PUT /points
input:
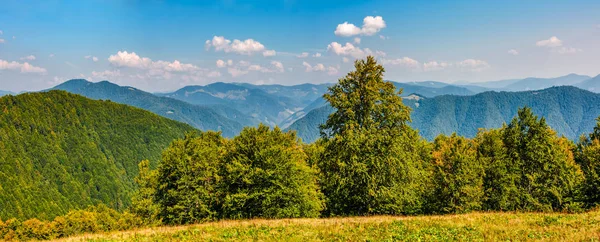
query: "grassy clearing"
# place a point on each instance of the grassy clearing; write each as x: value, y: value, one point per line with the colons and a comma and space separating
x: 467, y: 227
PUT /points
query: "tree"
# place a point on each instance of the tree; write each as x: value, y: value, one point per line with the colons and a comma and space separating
x: 187, y: 179
x: 588, y: 157
x: 549, y: 175
x: 457, y: 175
x: 142, y: 201
x: 372, y: 160
x: 265, y: 175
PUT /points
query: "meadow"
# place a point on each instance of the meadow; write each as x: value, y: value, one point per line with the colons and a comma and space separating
x: 494, y: 226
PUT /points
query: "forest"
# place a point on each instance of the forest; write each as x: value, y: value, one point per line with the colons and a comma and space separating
x: 367, y: 161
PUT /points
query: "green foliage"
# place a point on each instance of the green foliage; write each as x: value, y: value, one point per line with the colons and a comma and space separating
x: 142, y: 201
x: 588, y: 157
x: 457, y: 176
x: 187, y: 179
x: 265, y: 175
x: 371, y: 162
x: 94, y: 219
x: 61, y: 151
x: 542, y: 173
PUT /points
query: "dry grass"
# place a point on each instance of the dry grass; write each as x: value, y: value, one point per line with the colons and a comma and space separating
x: 467, y: 227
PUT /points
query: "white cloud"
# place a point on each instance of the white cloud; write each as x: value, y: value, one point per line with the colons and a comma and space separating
x: 243, y: 63
x: 29, y: 57
x: 345, y: 60
x: 303, y: 55
x: 568, y: 50
x: 23, y: 67
x: 213, y: 74
x: 405, y: 61
x: 269, y: 53
x: 346, y: 30
x: 513, y: 52
x: 552, y: 42
x: 317, y: 55
x: 319, y: 68
x: 371, y: 26
x: 229, y: 62
x: 93, y: 58
x: 383, y: 37
x: 357, y: 40
x: 473, y: 65
x: 435, y: 66
x: 2, y: 41
x: 221, y: 63
x: 380, y: 53
x: 125, y: 59
x: 348, y: 50
x: 278, y: 66
x: 246, y: 47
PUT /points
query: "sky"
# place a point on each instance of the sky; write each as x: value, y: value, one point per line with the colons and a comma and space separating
x: 162, y: 46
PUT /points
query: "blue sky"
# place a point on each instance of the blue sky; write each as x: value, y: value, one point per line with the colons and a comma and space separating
x: 162, y: 45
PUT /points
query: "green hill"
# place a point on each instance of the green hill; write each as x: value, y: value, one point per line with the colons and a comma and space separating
x: 62, y: 151
x: 201, y: 117
x: 568, y: 110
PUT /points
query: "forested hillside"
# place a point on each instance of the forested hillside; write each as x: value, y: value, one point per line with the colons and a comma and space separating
x: 201, y: 117
x: 568, y: 110
x: 62, y: 151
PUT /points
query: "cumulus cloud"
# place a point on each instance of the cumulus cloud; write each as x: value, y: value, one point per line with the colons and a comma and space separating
x: 29, y: 57
x: 319, y: 68
x: 551, y: 42
x: 371, y: 26
x: 269, y: 53
x: 22, y: 67
x: 405, y: 61
x: 473, y: 65
x: 317, y: 55
x: 125, y: 59
x: 235, y: 72
x: 278, y: 66
x: 245, y: 47
x: 435, y: 66
x: 221, y: 63
x: 513, y: 52
x: 303, y: 55
x: 357, y: 40
x: 348, y: 50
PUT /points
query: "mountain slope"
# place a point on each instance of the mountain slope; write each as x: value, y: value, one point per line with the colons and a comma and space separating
x: 592, y: 84
x: 432, y: 91
x: 62, y: 151
x: 254, y: 102
x: 201, y: 117
x: 533, y: 83
x: 568, y: 110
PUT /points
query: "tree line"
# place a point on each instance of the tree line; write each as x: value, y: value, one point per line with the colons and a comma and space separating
x: 368, y: 161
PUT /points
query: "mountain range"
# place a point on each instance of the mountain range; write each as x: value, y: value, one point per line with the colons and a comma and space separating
x: 3, y: 93
x: 230, y: 106
x: 568, y: 110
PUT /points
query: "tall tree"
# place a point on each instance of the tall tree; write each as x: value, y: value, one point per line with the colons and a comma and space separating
x: 549, y: 175
x: 457, y: 176
x: 372, y: 160
x: 588, y: 157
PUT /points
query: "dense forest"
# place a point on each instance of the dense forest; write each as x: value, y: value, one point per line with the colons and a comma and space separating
x: 368, y: 160
x: 62, y: 151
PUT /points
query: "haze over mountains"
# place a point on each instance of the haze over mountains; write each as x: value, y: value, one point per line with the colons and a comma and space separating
x: 229, y: 107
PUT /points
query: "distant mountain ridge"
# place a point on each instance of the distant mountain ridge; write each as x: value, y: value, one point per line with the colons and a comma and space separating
x: 201, y: 117
x: 569, y: 110
x: 3, y: 93
x: 592, y: 84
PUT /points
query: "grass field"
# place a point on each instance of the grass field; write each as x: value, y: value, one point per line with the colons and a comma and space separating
x: 467, y: 227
